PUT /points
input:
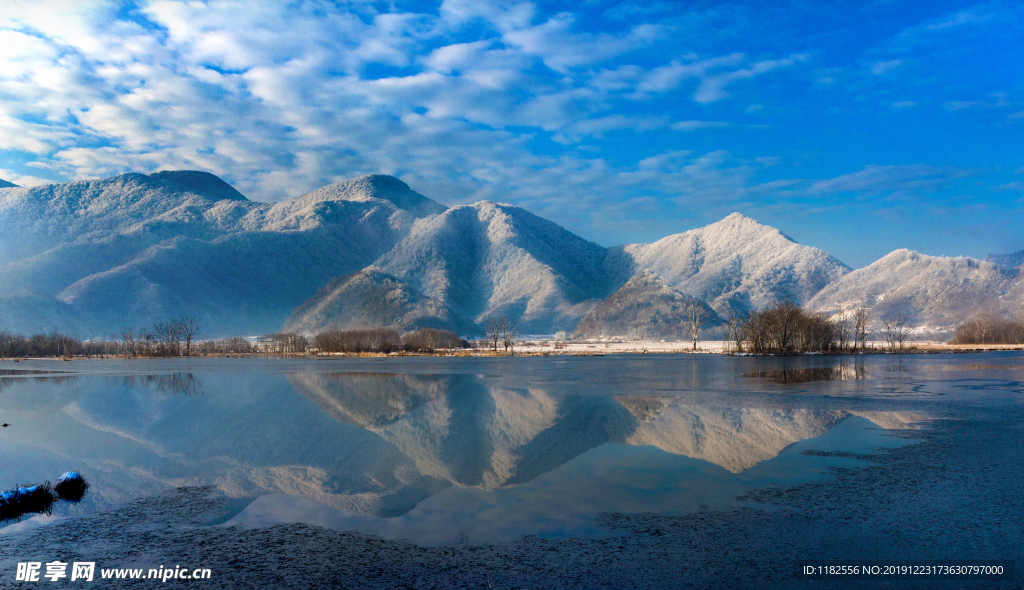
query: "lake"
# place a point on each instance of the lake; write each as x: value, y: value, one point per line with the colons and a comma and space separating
x: 466, y: 452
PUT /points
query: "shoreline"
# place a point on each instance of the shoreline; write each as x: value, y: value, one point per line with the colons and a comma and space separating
x: 576, y: 349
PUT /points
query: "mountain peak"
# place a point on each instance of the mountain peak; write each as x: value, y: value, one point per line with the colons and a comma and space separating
x: 736, y: 263
x: 5, y: 184
x: 201, y: 183
x: 377, y: 186
x: 900, y: 255
x: 736, y: 216
x: 379, y: 180
x: 743, y: 223
x: 940, y: 291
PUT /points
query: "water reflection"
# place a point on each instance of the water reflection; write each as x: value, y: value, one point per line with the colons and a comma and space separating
x: 460, y: 430
x: 187, y: 384
x: 807, y: 375
x: 863, y: 372
x: 378, y: 446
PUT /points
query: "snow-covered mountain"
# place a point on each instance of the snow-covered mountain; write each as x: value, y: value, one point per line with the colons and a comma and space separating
x: 5, y: 184
x: 137, y: 249
x: 491, y: 258
x: 372, y: 299
x: 939, y: 292
x: 457, y: 268
x: 645, y: 307
x: 91, y: 257
x: 736, y: 263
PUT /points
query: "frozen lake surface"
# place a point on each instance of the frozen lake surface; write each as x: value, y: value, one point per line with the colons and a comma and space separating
x: 483, y: 457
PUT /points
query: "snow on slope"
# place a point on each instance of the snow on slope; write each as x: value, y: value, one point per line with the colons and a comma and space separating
x: 33, y: 220
x: 245, y: 282
x: 645, y: 307
x: 492, y: 258
x: 940, y: 292
x: 137, y: 249
x: 736, y: 263
x: 201, y: 183
x: 365, y: 188
x: 370, y: 299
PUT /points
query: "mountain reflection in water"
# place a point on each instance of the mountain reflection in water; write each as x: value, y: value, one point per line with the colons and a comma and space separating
x: 458, y: 430
x: 385, y: 445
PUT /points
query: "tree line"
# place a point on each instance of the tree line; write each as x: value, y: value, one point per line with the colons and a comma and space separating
x: 987, y: 328
x: 386, y: 340
x: 54, y: 344
x: 180, y: 338
x: 170, y: 338
x: 784, y: 327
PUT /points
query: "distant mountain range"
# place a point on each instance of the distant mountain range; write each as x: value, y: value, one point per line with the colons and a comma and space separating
x: 1008, y: 260
x: 91, y: 257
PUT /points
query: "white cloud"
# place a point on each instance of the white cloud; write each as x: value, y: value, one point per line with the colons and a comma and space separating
x: 882, y: 67
x: 959, y: 105
x: 668, y: 77
x: 889, y: 179
x: 694, y: 125
x: 281, y: 98
x: 712, y: 88
x: 22, y: 179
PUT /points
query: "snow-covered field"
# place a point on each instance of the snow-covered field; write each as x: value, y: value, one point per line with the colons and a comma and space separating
x: 620, y: 346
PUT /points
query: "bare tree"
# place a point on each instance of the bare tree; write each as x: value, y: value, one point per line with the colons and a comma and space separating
x: 861, y: 317
x: 146, y: 342
x: 898, y: 327
x: 6, y: 343
x: 162, y: 338
x: 843, y: 327
x: 735, y: 329
x: 168, y: 335
x: 176, y: 330
x: 128, y: 341
x: 191, y: 327
x: 696, y: 313
x: 510, y: 334
x: 1020, y: 322
x: 906, y: 328
x: 755, y: 329
x: 984, y: 323
x: 494, y: 331
x: 783, y: 320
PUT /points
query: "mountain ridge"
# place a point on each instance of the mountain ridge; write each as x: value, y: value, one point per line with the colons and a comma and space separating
x: 136, y: 249
x: 939, y: 292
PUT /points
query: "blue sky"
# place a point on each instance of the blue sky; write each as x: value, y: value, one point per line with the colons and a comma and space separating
x: 857, y: 127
